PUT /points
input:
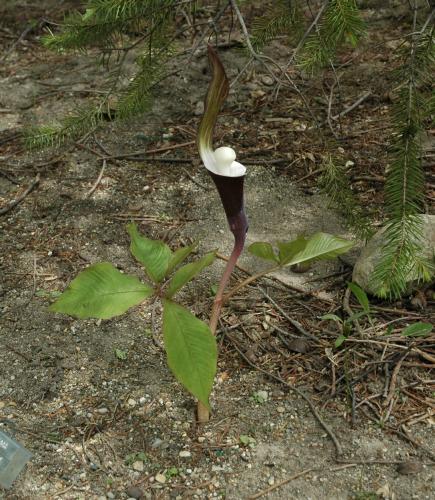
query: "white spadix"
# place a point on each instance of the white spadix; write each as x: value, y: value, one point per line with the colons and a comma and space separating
x: 224, y: 163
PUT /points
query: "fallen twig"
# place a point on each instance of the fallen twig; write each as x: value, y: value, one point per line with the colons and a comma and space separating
x: 281, y: 483
x: 97, y: 182
x: 393, y: 380
x: 203, y: 186
x: 299, y: 392
x: 349, y: 311
x: 20, y: 198
x: 346, y: 465
x: 352, y: 106
x: 292, y: 321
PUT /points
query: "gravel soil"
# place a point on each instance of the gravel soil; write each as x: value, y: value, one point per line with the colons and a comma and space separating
x: 93, y: 400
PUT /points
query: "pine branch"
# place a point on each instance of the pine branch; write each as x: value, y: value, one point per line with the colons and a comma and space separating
x: 334, y: 182
x: 340, y: 23
x: 105, y: 21
x: 69, y: 129
x: 404, y: 188
x: 136, y: 98
x: 283, y: 17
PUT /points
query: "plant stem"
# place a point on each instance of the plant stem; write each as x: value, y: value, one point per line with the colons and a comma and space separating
x: 248, y: 280
x: 203, y: 413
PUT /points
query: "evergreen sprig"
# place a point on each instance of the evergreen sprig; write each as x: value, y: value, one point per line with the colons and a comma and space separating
x: 284, y: 17
x: 340, y: 23
x: 136, y: 98
x: 334, y: 182
x: 69, y: 128
x: 404, y: 188
x: 104, y: 21
x: 104, y: 24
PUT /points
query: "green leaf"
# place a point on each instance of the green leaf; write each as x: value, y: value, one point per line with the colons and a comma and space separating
x: 288, y: 249
x: 101, y: 291
x: 178, y: 257
x: 417, y: 330
x: 361, y: 296
x: 120, y: 354
x: 263, y: 251
x: 188, y: 272
x: 357, y: 315
x: 247, y: 440
x: 191, y: 350
x: 332, y: 317
x: 154, y: 255
x: 319, y: 246
x: 89, y: 13
x: 339, y: 340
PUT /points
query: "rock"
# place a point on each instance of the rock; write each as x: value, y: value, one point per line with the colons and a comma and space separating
x: 134, y: 492
x: 267, y: 80
x: 199, y: 108
x: 371, y: 255
x: 138, y: 466
x: 298, y: 345
x: 160, y: 478
x: 185, y: 454
x: 262, y: 395
x: 157, y: 443
x: 409, y: 467
x: 8, y: 121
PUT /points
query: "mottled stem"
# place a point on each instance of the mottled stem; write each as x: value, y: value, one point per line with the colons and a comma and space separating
x: 203, y: 413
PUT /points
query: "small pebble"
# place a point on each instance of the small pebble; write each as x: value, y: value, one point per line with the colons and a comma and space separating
x: 134, y: 492
x: 298, y: 345
x: 160, y: 478
x: 157, y: 443
x: 138, y: 465
x: 271, y: 481
x: 409, y: 467
x: 262, y: 395
x: 280, y: 409
x: 185, y: 454
x: 131, y: 402
x: 199, y: 108
x: 267, y: 80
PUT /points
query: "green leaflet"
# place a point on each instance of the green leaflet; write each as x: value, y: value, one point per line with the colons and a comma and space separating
x: 361, y: 296
x: 101, y: 291
x: 179, y: 256
x: 319, y: 246
x: 288, y: 249
x: 417, y: 330
x: 263, y: 250
x: 191, y: 350
x: 154, y: 255
x: 187, y: 272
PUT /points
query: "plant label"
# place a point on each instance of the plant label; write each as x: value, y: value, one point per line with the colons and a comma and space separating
x: 13, y: 458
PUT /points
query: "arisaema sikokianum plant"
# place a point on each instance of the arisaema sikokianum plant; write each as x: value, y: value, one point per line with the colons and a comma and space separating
x: 102, y: 291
